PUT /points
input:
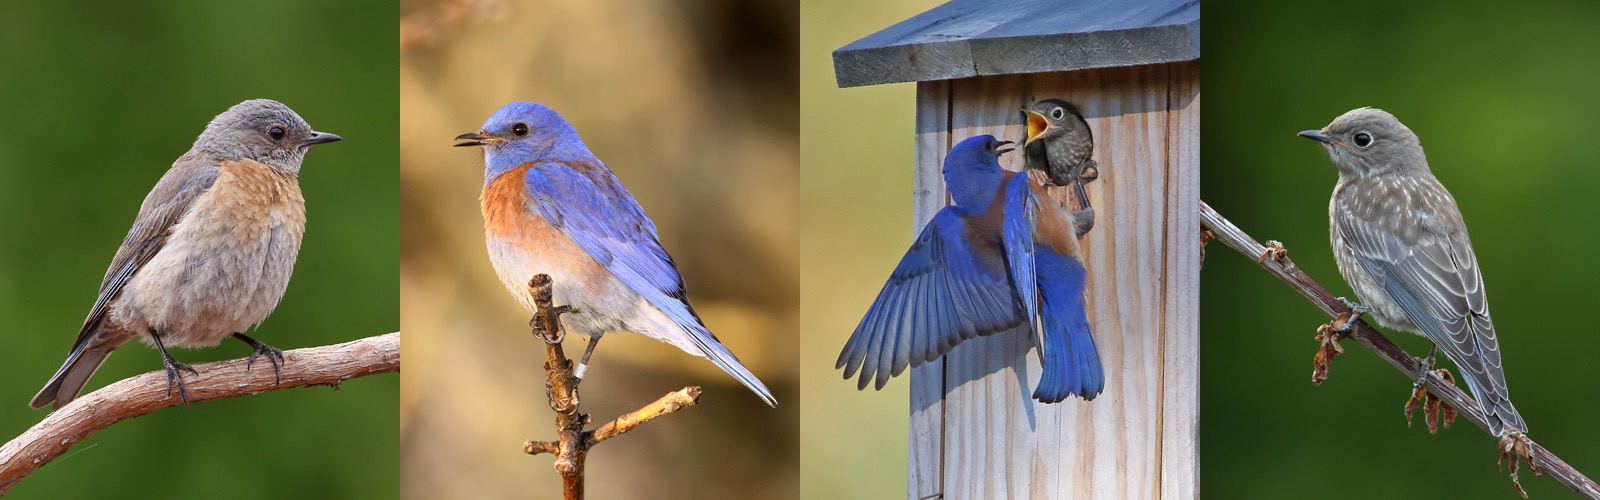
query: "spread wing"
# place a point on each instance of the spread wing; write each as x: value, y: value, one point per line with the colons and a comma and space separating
x: 166, y: 204
x: 1432, y: 273
x: 947, y: 288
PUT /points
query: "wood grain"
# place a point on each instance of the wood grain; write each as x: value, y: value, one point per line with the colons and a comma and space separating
x: 1138, y: 438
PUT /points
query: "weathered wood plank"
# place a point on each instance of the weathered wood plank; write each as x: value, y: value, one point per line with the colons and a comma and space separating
x: 965, y: 38
x: 1142, y: 298
x: 925, y: 459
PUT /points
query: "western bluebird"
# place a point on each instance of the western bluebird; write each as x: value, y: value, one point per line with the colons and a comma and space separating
x: 1402, y: 246
x: 1001, y: 255
x: 551, y: 207
x: 210, y: 252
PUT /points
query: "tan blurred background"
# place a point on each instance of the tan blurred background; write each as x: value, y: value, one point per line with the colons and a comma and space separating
x: 857, y: 147
x: 694, y: 105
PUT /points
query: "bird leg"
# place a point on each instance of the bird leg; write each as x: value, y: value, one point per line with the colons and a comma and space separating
x: 258, y: 349
x: 1356, y: 310
x: 174, y: 376
x: 1428, y: 401
x: 583, y: 365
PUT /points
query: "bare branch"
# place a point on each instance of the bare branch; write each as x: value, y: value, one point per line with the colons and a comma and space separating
x: 1276, y: 261
x: 572, y: 444
x: 145, y: 393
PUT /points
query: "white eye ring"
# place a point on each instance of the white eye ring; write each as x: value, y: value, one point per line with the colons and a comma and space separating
x: 1362, y: 139
x: 1058, y: 113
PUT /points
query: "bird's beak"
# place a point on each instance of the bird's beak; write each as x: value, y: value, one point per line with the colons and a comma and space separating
x: 1316, y: 135
x: 319, y: 138
x: 478, y: 138
x: 1036, y: 124
x: 1003, y: 150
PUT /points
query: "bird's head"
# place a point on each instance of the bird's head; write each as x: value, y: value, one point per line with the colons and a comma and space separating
x: 972, y: 169
x: 1369, y: 141
x: 1052, y: 118
x: 263, y: 130
x: 519, y: 133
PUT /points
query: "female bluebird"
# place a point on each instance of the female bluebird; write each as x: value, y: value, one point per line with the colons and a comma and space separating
x: 551, y: 207
x: 1001, y: 255
x: 210, y: 252
x: 1401, y: 244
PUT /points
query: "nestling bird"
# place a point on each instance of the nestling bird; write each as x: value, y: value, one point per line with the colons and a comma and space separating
x: 209, y: 254
x: 1002, y: 255
x: 1060, y: 144
x: 551, y: 207
x: 1401, y: 244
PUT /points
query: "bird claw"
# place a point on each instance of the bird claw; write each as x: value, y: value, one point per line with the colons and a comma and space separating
x: 175, y: 376
x: 1091, y: 172
x: 1275, y: 250
x: 258, y: 349
x: 564, y: 404
x: 1431, y: 407
x: 1516, y: 446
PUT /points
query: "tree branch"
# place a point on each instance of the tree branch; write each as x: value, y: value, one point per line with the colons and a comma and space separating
x: 145, y: 393
x: 1275, y: 260
x: 572, y: 444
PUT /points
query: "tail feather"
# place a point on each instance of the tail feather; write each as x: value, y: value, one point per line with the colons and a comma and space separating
x: 68, y: 381
x: 724, y: 359
x: 1071, y: 361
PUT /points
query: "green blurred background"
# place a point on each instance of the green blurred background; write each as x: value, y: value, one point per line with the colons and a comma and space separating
x: 693, y: 105
x: 856, y: 164
x: 97, y: 102
x: 1503, y: 98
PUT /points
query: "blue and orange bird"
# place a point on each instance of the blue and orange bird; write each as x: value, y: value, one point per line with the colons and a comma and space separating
x: 550, y: 206
x: 1004, y: 253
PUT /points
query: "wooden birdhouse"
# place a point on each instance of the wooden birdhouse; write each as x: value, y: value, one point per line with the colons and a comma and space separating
x: 1133, y: 70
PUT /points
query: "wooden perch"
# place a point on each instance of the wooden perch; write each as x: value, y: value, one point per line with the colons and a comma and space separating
x: 145, y: 393
x: 1274, y: 259
x: 572, y: 444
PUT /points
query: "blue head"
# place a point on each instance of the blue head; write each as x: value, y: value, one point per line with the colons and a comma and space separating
x: 524, y: 132
x: 972, y: 171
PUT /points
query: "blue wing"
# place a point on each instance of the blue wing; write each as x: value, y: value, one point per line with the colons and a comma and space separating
x: 591, y: 207
x: 1021, y: 212
x: 946, y: 289
x: 1071, y: 361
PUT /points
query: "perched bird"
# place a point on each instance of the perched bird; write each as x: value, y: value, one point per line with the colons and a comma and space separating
x: 210, y: 252
x: 1002, y: 255
x: 1402, y: 246
x: 551, y: 207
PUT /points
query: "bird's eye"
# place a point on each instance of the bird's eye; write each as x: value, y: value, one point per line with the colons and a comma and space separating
x: 1363, y: 140
x: 520, y: 129
x: 1058, y: 113
x: 276, y: 133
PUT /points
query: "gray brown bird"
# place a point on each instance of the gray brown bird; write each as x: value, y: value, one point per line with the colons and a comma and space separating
x: 1060, y: 145
x: 1402, y: 246
x: 210, y: 252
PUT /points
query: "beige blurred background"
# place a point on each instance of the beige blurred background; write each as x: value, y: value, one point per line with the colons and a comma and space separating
x: 694, y: 105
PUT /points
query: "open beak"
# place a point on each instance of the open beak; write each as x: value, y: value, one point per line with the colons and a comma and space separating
x: 1003, y: 150
x: 1036, y: 124
x: 478, y: 138
x: 1316, y: 135
x: 319, y: 138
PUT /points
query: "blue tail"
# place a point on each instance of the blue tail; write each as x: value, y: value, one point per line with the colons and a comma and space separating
x: 1071, y: 362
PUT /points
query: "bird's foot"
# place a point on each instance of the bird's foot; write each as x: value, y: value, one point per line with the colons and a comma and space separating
x: 1091, y: 172
x: 1516, y: 446
x: 1356, y: 310
x: 1431, y: 407
x: 566, y: 404
x: 175, y: 371
x: 1329, y: 337
x: 551, y: 317
x: 258, y: 349
x: 1275, y: 250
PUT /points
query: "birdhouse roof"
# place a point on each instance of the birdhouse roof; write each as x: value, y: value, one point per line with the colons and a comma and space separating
x: 964, y: 38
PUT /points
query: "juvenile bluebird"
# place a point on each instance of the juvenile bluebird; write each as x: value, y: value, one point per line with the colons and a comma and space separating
x: 551, y: 207
x: 210, y: 252
x: 1402, y: 246
x: 1000, y: 256
x: 1060, y: 145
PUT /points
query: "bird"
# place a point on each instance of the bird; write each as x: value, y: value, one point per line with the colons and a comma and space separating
x: 1003, y: 254
x: 551, y: 207
x: 210, y: 253
x: 1400, y: 242
x: 1060, y: 144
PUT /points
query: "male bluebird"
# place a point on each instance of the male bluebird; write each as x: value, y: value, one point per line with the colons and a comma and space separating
x: 551, y: 207
x: 1003, y: 254
x: 1402, y: 246
x: 210, y: 252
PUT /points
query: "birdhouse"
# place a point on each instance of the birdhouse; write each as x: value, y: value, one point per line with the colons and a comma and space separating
x: 1133, y: 70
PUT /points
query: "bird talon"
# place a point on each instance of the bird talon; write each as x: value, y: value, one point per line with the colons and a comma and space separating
x: 257, y: 349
